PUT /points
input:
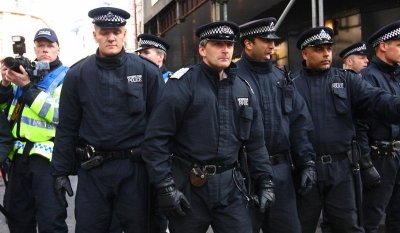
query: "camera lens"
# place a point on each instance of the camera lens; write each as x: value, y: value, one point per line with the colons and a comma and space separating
x: 12, y: 63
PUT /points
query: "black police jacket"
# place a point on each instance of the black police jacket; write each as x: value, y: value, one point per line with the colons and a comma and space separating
x: 334, y: 97
x: 6, y: 141
x: 106, y: 103
x: 387, y: 77
x: 287, y: 121
x: 205, y: 120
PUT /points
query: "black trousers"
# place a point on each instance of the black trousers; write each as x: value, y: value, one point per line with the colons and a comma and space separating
x: 30, y: 199
x: 117, y: 187
x: 282, y: 217
x: 385, y: 198
x: 335, y: 194
x: 218, y: 204
x: 158, y: 221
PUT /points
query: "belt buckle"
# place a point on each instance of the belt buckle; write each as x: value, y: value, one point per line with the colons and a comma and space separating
x: 90, y: 151
x: 326, y: 159
x: 210, y: 169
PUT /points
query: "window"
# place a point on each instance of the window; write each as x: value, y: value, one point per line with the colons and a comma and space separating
x: 167, y: 18
x: 188, y: 6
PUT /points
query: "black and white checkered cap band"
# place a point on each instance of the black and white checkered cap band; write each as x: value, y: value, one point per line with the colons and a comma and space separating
x: 386, y: 37
x: 150, y: 43
x: 322, y: 35
x: 217, y: 31
x: 259, y: 30
x: 109, y: 17
x: 358, y: 49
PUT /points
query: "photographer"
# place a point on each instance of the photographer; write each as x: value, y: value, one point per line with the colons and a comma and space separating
x: 32, y: 99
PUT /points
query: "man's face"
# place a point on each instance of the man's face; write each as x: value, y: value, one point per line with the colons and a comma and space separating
x: 217, y: 54
x: 391, y: 51
x: 153, y: 55
x: 319, y: 57
x: 110, y: 40
x: 259, y: 50
x: 356, y: 62
x: 46, y: 50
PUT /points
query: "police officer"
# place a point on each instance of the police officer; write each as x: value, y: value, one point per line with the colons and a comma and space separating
x: 33, y: 116
x: 355, y: 57
x: 287, y: 123
x: 103, y: 114
x: 380, y: 138
x: 155, y: 49
x: 333, y: 97
x: 208, y: 113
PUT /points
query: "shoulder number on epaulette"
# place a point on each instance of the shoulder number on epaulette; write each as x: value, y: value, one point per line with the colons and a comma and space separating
x: 178, y: 74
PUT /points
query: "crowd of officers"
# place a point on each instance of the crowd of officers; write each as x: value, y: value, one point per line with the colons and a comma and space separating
x: 240, y: 147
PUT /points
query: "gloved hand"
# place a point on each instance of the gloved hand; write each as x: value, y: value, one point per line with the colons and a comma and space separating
x: 369, y: 175
x: 308, y: 177
x: 266, y: 195
x: 171, y: 201
x: 62, y: 185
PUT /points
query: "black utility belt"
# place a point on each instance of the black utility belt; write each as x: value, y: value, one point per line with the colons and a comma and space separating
x: 198, y: 175
x: 211, y: 169
x: 332, y: 158
x: 199, y: 172
x: 89, y: 157
x: 384, y: 148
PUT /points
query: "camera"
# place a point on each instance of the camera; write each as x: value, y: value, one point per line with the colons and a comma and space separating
x: 35, y: 69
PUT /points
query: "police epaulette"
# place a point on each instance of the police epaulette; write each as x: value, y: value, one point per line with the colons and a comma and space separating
x: 178, y: 74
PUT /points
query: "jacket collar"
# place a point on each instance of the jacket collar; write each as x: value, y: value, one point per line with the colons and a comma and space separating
x: 111, y: 62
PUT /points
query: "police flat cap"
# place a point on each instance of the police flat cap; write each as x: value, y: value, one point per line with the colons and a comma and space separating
x: 356, y: 48
x: 263, y: 28
x: 388, y: 32
x: 109, y: 17
x: 46, y: 33
x: 146, y: 41
x: 220, y: 31
x: 314, y: 37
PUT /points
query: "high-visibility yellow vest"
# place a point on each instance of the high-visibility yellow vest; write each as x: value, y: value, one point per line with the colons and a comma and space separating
x: 38, y: 122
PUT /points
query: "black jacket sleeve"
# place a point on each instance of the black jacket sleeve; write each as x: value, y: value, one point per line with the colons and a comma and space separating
x: 5, y: 137
x: 301, y: 128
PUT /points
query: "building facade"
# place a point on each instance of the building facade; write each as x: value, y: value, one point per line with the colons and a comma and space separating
x: 177, y: 20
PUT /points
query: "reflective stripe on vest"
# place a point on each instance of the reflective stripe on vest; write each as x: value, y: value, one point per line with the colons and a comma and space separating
x: 43, y: 148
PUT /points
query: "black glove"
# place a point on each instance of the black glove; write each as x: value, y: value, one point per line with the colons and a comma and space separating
x: 266, y: 195
x: 369, y: 175
x: 62, y: 185
x: 171, y: 201
x: 308, y: 177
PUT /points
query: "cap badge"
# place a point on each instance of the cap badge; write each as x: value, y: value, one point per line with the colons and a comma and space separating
x: 110, y: 15
x: 47, y: 33
x: 272, y: 26
x: 324, y: 35
x: 225, y: 29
